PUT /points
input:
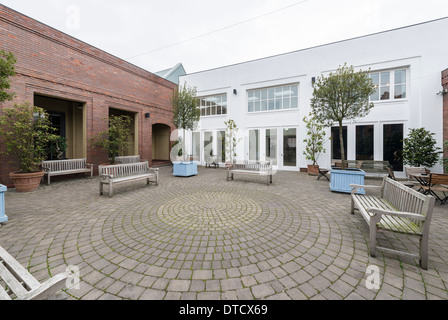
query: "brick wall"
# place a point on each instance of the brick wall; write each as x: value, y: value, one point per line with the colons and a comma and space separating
x: 52, y: 63
x: 445, y: 107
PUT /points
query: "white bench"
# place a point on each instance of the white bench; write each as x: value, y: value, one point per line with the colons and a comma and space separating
x: 397, y: 209
x: 17, y: 283
x: 127, y: 159
x: 113, y: 174
x: 62, y: 167
x: 251, y: 168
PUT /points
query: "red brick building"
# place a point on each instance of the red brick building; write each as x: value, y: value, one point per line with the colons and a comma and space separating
x: 80, y: 86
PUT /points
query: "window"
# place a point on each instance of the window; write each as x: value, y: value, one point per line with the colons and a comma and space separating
x: 393, y: 145
x: 275, y: 98
x: 336, y: 143
x: 213, y: 105
x: 364, y: 142
x: 389, y: 85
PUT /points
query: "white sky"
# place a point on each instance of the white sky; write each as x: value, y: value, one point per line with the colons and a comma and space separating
x: 204, y: 34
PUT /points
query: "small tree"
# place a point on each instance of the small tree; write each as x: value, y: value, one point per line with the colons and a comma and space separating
x: 7, y: 70
x: 186, y: 111
x: 342, y: 95
x: 315, y: 141
x: 231, y: 139
x: 419, y: 148
x: 115, y: 140
x: 26, y: 131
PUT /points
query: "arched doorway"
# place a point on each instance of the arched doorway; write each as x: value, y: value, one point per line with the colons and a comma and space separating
x: 161, y: 144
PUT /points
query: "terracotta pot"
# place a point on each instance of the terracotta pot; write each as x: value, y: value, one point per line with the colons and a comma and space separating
x: 313, y: 170
x: 26, y: 182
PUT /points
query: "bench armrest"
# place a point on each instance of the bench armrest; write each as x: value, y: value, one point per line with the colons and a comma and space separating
x: 357, y: 186
x: 400, y: 214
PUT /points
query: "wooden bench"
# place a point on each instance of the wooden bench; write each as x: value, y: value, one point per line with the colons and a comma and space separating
x: 17, y: 283
x: 127, y: 159
x: 62, y: 167
x: 397, y: 209
x: 251, y: 168
x: 114, y: 174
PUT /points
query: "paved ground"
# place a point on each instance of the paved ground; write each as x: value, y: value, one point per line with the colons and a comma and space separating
x: 205, y: 238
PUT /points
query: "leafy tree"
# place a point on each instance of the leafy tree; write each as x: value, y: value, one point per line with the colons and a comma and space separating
x: 7, y: 70
x: 26, y: 131
x: 419, y: 148
x: 186, y: 111
x: 342, y: 95
x: 315, y: 141
x: 115, y: 139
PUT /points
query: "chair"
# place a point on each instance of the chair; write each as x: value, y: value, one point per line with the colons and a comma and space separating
x: 407, y: 183
x: 436, y: 183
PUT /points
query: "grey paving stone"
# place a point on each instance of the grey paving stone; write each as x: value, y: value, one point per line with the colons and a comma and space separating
x: 206, y: 238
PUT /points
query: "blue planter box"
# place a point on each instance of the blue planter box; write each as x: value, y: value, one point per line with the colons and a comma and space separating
x: 185, y: 169
x: 3, y: 217
x: 340, y: 180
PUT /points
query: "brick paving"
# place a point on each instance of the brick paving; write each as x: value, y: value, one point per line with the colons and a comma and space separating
x: 205, y: 238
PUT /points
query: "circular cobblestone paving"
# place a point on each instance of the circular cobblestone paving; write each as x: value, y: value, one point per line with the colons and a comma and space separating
x: 209, y: 211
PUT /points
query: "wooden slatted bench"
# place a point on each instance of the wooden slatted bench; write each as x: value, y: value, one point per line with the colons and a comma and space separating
x: 17, y: 283
x: 119, y: 173
x: 127, y: 159
x: 62, y: 167
x: 251, y: 168
x: 397, y: 209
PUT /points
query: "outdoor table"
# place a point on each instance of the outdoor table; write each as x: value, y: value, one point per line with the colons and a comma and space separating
x: 323, y: 173
x: 422, y: 178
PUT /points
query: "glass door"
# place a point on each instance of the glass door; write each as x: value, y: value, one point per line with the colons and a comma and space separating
x: 254, y: 145
x: 271, y: 146
x: 289, y: 149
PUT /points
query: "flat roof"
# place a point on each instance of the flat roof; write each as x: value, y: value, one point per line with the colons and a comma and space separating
x: 318, y: 46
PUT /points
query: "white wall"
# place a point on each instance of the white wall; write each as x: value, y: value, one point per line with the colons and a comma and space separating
x: 420, y: 49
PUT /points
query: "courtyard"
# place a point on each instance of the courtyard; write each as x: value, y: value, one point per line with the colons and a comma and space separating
x: 204, y: 238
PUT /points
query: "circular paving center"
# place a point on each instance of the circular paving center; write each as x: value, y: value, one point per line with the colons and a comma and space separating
x: 209, y: 211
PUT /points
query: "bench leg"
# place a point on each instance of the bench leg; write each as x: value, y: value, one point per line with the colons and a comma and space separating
x: 352, y: 209
x: 372, y: 244
x: 111, y: 189
x: 101, y: 188
x: 424, y: 252
x: 48, y: 179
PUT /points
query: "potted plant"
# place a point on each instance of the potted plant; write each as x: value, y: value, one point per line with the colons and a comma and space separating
x: 419, y: 148
x: 343, y: 95
x: 114, y: 140
x: 186, y: 114
x: 314, y: 143
x: 26, y: 132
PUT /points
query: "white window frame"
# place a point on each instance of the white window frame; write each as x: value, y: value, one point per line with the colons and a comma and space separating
x: 267, y: 99
x: 392, y: 85
x: 211, y: 106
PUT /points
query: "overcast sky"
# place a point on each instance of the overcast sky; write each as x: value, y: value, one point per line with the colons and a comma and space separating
x: 204, y: 34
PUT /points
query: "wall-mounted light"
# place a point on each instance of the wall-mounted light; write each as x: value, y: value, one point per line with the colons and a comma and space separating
x: 235, y: 92
x: 147, y: 115
x: 313, y: 80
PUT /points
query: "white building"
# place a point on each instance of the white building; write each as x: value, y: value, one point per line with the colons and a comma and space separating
x: 268, y: 98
